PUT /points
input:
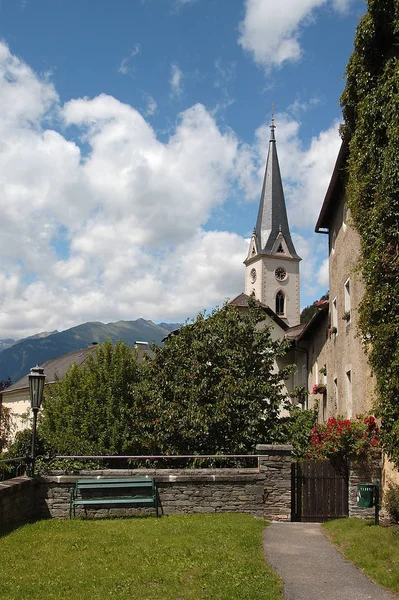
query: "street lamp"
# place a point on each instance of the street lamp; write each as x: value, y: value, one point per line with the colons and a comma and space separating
x: 36, y: 385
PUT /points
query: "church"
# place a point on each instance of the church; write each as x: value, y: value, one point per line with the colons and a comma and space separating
x: 272, y: 270
x: 332, y: 368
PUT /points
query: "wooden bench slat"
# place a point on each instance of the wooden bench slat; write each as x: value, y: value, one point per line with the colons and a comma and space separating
x: 114, y: 501
x: 108, y: 483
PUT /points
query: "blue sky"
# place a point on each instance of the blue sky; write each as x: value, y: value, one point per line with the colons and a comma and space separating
x: 134, y: 138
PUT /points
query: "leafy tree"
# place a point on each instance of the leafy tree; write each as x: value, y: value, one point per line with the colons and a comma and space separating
x: 7, y: 426
x: 309, y: 311
x: 371, y: 130
x: 5, y: 383
x: 296, y: 429
x: 88, y: 411
x: 214, y: 387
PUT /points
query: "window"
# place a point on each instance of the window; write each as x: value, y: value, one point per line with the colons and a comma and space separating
x: 336, y: 392
x: 347, y: 301
x: 333, y: 240
x: 334, y: 314
x: 280, y: 248
x: 349, y: 408
x: 345, y: 216
x: 280, y: 304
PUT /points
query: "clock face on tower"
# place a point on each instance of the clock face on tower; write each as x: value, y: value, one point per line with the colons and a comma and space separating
x: 280, y: 273
x: 253, y: 275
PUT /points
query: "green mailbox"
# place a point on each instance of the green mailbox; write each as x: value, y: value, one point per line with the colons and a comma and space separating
x: 365, y: 495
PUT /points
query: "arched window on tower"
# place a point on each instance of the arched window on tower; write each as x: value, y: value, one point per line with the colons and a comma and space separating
x: 280, y: 304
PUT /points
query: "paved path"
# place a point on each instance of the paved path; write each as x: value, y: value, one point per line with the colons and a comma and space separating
x: 312, y: 569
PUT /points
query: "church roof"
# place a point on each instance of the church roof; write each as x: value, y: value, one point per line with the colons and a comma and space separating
x: 336, y: 182
x: 241, y: 301
x: 272, y: 215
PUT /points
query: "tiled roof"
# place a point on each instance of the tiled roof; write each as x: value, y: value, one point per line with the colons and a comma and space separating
x: 241, y: 301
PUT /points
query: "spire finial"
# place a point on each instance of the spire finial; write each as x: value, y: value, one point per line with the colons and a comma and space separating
x: 272, y: 126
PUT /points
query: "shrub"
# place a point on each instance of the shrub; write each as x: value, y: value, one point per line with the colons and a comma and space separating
x: 392, y: 502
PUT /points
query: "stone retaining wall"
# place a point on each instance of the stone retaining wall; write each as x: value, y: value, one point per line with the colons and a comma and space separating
x: 179, y: 491
x: 262, y: 492
x: 18, y: 502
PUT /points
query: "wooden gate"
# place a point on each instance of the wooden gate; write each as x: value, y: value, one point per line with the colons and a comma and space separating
x: 319, y: 491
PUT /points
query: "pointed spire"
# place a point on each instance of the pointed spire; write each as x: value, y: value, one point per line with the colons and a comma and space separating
x: 272, y: 126
x: 272, y: 215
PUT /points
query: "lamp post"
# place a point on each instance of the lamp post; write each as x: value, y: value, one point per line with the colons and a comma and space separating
x: 36, y: 385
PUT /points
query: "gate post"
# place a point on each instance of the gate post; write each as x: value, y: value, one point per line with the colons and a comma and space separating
x: 275, y: 462
x: 362, y: 472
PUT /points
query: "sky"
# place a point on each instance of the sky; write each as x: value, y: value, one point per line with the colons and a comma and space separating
x: 133, y: 141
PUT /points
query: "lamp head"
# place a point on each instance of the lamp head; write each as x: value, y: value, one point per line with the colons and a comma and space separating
x: 36, y: 386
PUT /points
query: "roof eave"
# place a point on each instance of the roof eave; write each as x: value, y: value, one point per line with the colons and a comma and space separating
x: 323, y: 222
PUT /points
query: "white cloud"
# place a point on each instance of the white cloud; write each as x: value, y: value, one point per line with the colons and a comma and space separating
x: 117, y: 233
x: 125, y: 66
x: 151, y: 106
x: 271, y: 30
x: 175, y: 80
x: 323, y: 274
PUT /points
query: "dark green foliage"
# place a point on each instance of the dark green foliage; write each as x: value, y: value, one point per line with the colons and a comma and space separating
x: 371, y: 130
x: 309, y: 311
x: 296, y: 430
x: 6, y: 426
x: 88, y: 411
x: 391, y: 501
x: 213, y: 386
x: 4, y: 384
x: 211, y: 389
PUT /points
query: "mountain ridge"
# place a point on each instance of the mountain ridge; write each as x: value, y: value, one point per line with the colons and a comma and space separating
x: 17, y: 360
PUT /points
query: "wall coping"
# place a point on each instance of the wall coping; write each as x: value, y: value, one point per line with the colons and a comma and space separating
x: 9, y: 484
x: 163, y: 475
x: 274, y: 449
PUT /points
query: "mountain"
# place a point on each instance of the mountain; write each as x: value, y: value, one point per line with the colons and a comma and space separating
x: 16, y: 360
x: 4, y: 344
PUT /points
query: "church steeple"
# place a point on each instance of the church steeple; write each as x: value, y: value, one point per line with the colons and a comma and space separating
x: 272, y: 216
x: 272, y: 264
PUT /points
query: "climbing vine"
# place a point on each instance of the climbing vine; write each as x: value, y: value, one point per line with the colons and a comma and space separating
x: 370, y: 104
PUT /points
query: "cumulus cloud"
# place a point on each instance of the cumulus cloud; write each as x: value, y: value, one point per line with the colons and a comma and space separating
x: 118, y: 232
x: 271, y: 31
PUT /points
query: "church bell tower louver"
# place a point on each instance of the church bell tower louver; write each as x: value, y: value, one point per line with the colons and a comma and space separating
x: 272, y: 264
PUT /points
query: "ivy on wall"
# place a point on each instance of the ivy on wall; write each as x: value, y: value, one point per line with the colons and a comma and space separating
x: 370, y: 104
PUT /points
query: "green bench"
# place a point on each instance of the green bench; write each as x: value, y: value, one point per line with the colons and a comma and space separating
x: 128, y: 492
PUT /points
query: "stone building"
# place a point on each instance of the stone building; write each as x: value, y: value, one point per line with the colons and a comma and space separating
x: 349, y: 381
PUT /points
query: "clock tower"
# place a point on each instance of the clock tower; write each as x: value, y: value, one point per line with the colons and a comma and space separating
x: 272, y: 264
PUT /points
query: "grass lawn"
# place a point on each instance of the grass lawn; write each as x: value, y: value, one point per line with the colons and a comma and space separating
x: 182, y: 557
x: 373, y: 549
